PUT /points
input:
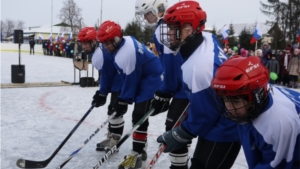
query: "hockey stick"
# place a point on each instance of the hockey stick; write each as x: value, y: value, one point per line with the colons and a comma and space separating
x: 162, y: 147
x: 86, y: 141
x: 22, y: 163
x: 109, y: 152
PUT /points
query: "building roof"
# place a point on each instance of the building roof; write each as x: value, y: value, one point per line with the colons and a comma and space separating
x: 57, y: 28
x: 238, y: 28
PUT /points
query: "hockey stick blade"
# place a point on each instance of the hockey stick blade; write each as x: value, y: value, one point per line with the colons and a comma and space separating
x: 86, y: 141
x: 123, y: 139
x: 22, y: 163
x: 162, y: 147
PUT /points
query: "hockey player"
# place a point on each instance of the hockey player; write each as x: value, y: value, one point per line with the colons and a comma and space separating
x: 268, y: 116
x: 149, y: 13
x: 110, y: 82
x: 218, y: 143
x: 141, y: 73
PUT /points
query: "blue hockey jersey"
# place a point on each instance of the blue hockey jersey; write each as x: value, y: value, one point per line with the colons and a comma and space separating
x: 110, y: 80
x: 172, y: 82
x: 273, y: 139
x: 204, y: 119
x: 140, y: 69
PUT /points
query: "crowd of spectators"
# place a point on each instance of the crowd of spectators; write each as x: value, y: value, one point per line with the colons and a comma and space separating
x: 285, y: 63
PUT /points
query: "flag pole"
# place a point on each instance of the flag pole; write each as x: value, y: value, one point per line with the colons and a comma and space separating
x: 51, y: 17
x: 255, y: 46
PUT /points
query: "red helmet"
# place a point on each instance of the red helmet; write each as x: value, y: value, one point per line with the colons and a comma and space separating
x: 109, y: 30
x: 186, y: 12
x: 245, y: 77
x: 86, y: 34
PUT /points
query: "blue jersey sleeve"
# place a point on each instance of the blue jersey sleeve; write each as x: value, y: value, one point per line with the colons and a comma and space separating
x: 110, y: 80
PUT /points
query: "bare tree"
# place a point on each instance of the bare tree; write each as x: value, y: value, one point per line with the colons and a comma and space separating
x: 10, y: 26
x: 71, y: 14
x: 20, y: 24
x: 285, y: 14
x: 2, y: 27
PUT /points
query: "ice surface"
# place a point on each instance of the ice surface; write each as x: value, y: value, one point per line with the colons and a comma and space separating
x: 34, y: 121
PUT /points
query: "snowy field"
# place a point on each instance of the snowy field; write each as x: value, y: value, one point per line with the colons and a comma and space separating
x: 34, y: 121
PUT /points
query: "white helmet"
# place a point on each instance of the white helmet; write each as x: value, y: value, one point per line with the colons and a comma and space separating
x: 142, y: 7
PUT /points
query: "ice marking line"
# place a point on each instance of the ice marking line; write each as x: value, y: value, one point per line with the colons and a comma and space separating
x: 42, y: 103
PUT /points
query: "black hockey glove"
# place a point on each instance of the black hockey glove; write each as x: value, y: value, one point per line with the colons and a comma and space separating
x: 175, y: 139
x: 120, y: 106
x: 160, y: 102
x: 99, y: 99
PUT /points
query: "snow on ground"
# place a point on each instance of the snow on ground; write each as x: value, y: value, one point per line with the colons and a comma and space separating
x: 34, y: 121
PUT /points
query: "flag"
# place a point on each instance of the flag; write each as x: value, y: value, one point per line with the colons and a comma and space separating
x: 62, y: 37
x: 56, y: 38
x: 225, y: 34
x: 70, y: 36
x: 257, y: 34
x: 299, y: 35
x: 40, y: 37
x: 50, y: 37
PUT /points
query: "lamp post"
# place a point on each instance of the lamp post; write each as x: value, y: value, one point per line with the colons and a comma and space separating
x: 51, y: 16
x: 101, y: 13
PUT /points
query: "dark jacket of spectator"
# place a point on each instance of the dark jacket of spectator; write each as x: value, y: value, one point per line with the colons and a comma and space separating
x: 31, y: 43
x: 273, y: 65
x: 265, y: 51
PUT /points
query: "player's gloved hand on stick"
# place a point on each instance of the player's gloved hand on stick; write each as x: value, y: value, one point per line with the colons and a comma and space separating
x: 99, y: 99
x: 120, y: 106
x: 160, y: 102
x: 175, y: 139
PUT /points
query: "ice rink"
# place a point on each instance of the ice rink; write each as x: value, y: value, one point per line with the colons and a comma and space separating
x: 34, y: 121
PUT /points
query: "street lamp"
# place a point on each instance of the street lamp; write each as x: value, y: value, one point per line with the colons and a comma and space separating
x: 51, y: 16
x: 101, y: 13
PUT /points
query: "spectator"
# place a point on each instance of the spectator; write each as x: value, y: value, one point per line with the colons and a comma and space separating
x: 235, y: 49
x: 251, y: 53
x: 229, y: 53
x: 244, y: 52
x: 45, y: 47
x: 278, y: 58
x: 54, y: 48
x: 294, y: 68
x: 284, y: 62
x: 295, y: 46
x: 31, y: 44
x: 57, y: 48
x: 273, y: 66
x: 50, y: 48
x: 71, y: 49
x: 77, y: 49
x: 258, y: 52
x: 266, y: 49
x: 238, y: 49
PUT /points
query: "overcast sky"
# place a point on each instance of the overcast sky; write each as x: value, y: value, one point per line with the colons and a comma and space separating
x: 38, y: 12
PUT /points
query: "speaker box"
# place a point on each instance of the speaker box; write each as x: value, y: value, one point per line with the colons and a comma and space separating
x: 17, y: 73
x: 87, y: 82
x: 18, y: 36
